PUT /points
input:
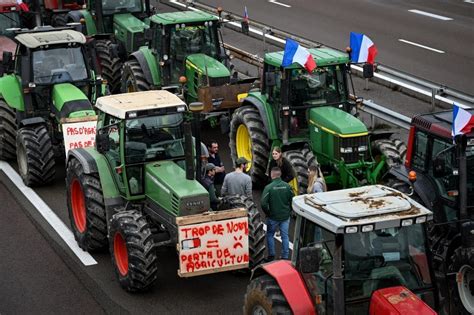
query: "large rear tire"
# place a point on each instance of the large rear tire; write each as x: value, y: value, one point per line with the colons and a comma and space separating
x: 111, y: 67
x: 85, y: 203
x: 7, y: 132
x: 133, y: 78
x: 300, y: 170
x: 462, y: 295
x: 35, y: 155
x: 248, y: 139
x: 393, y: 150
x: 132, y: 247
x: 256, y: 232
x: 59, y: 20
x: 264, y: 297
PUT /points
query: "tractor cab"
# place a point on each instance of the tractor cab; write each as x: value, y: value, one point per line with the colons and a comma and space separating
x: 350, y: 244
x: 9, y: 17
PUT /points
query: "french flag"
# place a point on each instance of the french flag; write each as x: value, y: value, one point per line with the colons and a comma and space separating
x: 295, y: 53
x: 463, y: 121
x: 363, y: 49
x: 246, y: 15
x: 23, y: 6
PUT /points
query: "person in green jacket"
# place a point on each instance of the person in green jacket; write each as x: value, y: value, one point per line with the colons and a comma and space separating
x: 276, y: 203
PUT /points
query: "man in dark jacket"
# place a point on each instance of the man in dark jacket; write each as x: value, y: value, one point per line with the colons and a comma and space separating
x: 276, y: 203
x: 208, y: 183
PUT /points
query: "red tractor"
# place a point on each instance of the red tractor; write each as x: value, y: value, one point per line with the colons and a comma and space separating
x: 12, y: 16
x: 54, y: 12
x: 445, y: 184
x: 356, y: 251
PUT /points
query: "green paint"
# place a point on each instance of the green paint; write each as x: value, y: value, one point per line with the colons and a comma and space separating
x: 66, y: 92
x: 336, y: 120
x: 154, y: 68
x: 127, y: 28
x: 207, y: 66
x: 10, y: 91
x: 90, y: 23
x: 109, y: 188
x: 272, y: 131
x: 322, y: 56
x: 182, y: 17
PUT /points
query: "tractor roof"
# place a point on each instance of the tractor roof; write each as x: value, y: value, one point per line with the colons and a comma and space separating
x: 9, y: 6
x: 438, y: 123
x: 377, y: 205
x: 119, y: 105
x: 182, y: 17
x: 37, y: 39
x: 323, y: 56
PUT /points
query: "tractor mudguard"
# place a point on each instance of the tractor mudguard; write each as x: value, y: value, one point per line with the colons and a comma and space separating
x: 75, y: 16
x: 423, y: 187
x: 94, y: 162
x: 11, y: 92
x: 148, y: 64
x: 383, y: 302
x: 259, y: 102
x: 90, y: 28
x: 291, y: 283
x: 31, y: 122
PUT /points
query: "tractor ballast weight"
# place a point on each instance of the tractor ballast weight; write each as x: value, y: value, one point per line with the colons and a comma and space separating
x: 354, y: 251
x: 444, y: 184
x: 45, y: 86
x: 137, y: 186
x: 186, y: 45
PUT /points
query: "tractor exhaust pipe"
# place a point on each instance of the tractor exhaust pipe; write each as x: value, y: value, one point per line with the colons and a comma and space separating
x: 188, y: 149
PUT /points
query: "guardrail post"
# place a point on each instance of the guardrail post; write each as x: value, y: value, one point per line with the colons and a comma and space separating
x: 433, y: 98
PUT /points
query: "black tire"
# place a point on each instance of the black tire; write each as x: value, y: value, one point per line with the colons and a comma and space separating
x: 300, y: 169
x: 249, y: 117
x: 390, y: 149
x: 309, y: 156
x: 256, y: 232
x: 404, y: 188
x: 59, y: 20
x: 111, y: 67
x: 133, y: 251
x: 133, y: 79
x: 401, y: 148
x: 264, y: 296
x: 85, y: 203
x: 7, y: 132
x: 35, y: 155
x: 462, y: 257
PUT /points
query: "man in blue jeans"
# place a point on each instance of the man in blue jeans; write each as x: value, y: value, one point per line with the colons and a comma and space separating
x: 276, y: 203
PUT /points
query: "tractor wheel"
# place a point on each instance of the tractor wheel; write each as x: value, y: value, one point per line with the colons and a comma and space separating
x: 111, y: 67
x: 309, y: 156
x: 35, y: 155
x: 264, y: 297
x: 7, y: 132
x: 248, y: 139
x: 133, y: 251
x: 404, y: 188
x: 256, y: 232
x: 300, y: 170
x: 85, y: 203
x: 462, y: 296
x: 390, y: 149
x: 133, y: 79
x: 401, y: 148
x: 59, y: 20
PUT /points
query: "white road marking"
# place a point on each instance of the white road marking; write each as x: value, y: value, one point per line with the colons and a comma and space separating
x: 421, y: 46
x: 469, y: 1
x: 279, y: 3
x: 435, y: 16
x: 51, y: 217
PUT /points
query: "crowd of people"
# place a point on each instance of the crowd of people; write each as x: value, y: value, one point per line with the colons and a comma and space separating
x: 277, y: 195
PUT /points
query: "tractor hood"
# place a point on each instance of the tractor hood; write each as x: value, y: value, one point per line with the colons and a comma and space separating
x: 336, y: 121
x: 204, y: 64
x: 70, y: 102
x: 166, y: 184
x: 129, y: 22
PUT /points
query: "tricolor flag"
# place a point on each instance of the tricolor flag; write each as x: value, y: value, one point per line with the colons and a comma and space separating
x: 463, y: 121
x: 246, y: 15
x: 23, y: 6
x: 363, y: 49
x: 296, y: 53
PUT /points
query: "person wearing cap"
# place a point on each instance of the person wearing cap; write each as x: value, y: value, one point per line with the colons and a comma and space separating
x: 237, y: 182
x: 208, y: 183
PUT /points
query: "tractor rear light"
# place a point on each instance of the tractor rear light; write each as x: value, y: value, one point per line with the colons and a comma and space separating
x: 412, y: 176
x: 420, y: 220
x: 407, y: 222
x: 318, y: 299
x: 351, y: 229
x: 453, y: 193
x: 346, y: 150
x: 368, y: 228
x: 26, y: 90
x: 119, y: 169
x: 32, y: 85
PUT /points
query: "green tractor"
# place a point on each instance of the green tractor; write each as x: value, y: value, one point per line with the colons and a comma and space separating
x: 311, y: 116
x: 119, y: 28
x: 186, y: 56
x: 50, y: 83
x: 136, y: 191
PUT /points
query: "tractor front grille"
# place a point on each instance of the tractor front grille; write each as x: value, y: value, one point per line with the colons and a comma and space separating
x: 356, y: 148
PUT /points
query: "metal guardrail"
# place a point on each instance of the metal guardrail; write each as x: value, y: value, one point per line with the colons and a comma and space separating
x: 420, y: 86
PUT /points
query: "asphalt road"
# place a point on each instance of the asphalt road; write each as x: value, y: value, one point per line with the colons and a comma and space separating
x: 448, y: 55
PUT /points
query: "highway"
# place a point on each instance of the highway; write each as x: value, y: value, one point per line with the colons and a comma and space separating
x: 433, y: 40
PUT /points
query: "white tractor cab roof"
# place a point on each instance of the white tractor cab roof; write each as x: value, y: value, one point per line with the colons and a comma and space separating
x: 128, y: 105
x: 37, y: 39
x: 361, y: 209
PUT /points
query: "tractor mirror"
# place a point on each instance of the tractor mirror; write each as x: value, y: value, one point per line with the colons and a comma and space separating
x: 102, y: 142
x: 7, y: 60
x: 148, y: 34
x: 309, y: 258
x: 270, y: 79
x: 439, y: 167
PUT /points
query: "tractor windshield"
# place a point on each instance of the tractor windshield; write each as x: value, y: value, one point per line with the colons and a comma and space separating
x: 9, y: 20
x: 59, y: 65
x: 194, y: 39
x: 154, y: 138
x: 110, y: 7
x: 384, y: 258
x: 323, y: 86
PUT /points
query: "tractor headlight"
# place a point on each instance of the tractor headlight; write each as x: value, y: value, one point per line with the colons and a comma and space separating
x: 362, y: 148
x: 351, y: 229
x: 407, y: 222
x: 346, y: 150
x: 420, y: 220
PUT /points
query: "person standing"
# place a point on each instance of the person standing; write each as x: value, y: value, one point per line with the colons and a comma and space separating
x: 276, y: 204
x: 316, y: 182
x: 215, y: 159
x: 237, y: 182
x: 282, y: 163
x: 208, y: 183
